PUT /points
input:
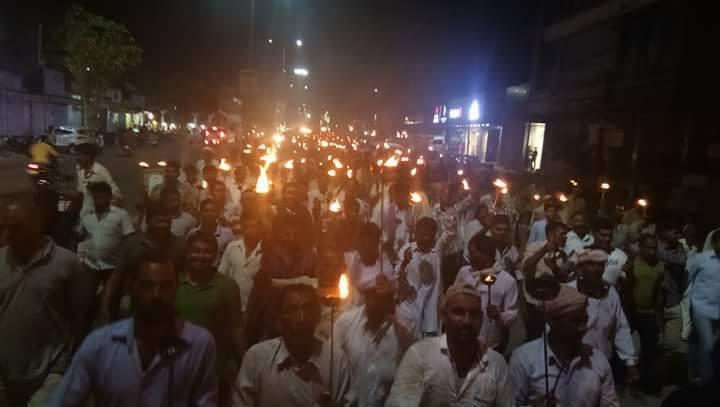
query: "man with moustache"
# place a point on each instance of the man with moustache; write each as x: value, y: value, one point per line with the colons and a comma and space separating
x: 455, y: 368
x: 151, y: 359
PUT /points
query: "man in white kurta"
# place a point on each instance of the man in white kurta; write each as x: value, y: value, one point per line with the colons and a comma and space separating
x: 453, y: 369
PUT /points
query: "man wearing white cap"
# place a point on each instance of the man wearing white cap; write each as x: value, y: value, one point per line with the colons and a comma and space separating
x: 496, y: 287
x: 577, y: 374
x: 455, y: 368
x: 294, y: 369
x: 607, y: 327
x: 373, y: 339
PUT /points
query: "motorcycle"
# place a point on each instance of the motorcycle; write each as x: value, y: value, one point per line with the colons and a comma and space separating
x: 42, y: 175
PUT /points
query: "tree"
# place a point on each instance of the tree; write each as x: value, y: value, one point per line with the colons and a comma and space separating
x: 96, y: 51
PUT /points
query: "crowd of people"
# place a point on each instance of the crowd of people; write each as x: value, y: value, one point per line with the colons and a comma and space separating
x: 460, y: 291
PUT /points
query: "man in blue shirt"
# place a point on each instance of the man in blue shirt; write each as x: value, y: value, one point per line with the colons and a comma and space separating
x: 152, y: 359
x: 537, y: 229
x: 704, y: 294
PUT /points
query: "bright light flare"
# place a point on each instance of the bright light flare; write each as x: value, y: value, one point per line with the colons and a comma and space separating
x: 460, y: 172
x: 335, y: 206
x: 563, y: 198
x: 349, y: 173
x: 305, y: 130
x: 278, y: 138
x: 143, y: 164
x: 415, y: 197
x: 162, y: 163
x: 536, y: 197
x: 386, y: 146
x: 224, y: 166
x: 504, y: 191
x: 574, y: 183
x: 332, y: 173
x: 337, y: 163
x: 605, y: 186
x: 324, y: 144
x: 204, y: 184
x: 263, y: 184
x: 289, y: 165
x: 420, y: 161
x: 413, y: 172
x: 262, y: 147
x: 643, y: 203
x: 301, y: 72
x: 466, y: 185
x: 500, y: 183
x: 343, y: 286
x: 392, y: 162
x: 404, y: 159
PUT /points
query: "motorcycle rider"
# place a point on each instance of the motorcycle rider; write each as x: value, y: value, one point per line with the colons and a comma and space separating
x: 43, y: 153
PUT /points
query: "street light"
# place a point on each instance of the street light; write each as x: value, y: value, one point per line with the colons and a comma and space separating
x: 301, y: 72
x: 299, y: 43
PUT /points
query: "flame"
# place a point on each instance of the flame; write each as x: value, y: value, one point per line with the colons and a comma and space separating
x: 562, y: 198
x: 465, y: 185
x: 386, y: 146
x: 302, y: 161
x: 574, y: 183
x: 489, y: 279
x: 262, y: 147
x: 143, y: 164
x: 278, y: 138
x: 343, y: 286
x: 332, y: 173
x: 162, y: 163
x: 605, y: 186
x: 335, y: 206
x: 413, y: 172
x: 420, y: 161
x: 204, y: 185
x: 392, y: 161
x: 500, y: 183
x: 643, y: 203
x: 349, y: 173
x: 263, y: 184
x: 536, y: 197
x: 289, y: 165
x: 305, y: 130
x: 504, y: 191
x: 379, y: 163
x: 224, y: 166
x: 415, y: 197
x: 270, y: 157
x: 324, y: 144
x: 337, y: 163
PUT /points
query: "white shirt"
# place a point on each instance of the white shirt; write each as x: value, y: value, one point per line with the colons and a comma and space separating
x: 373, y: 356
x: 575, y: 243
x: 102, y: 237
x: 270, y: 377
x: 182, y: 224
x: 504, y: 295
x: 587, y: 382
x: 456, y: 221
x: 426, y: 377
x: 96, y: 173
x: 424, y: 275
x: 608, y: 327
x: 614, y: 267
x: 356, y: 269
x: 404, y: 218
x: 241, y: 266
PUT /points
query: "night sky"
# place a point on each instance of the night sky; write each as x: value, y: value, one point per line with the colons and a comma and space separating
x: 417, y: 52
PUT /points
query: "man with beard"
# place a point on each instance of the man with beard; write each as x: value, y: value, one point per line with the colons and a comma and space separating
x: 607, y: 328
x: 501, y: 301
x: 455, y: 368
x: 374, y: 340
x: 286, y: 257
x: 294, y: 369
x: 577, y: 374
x: 151, y: 359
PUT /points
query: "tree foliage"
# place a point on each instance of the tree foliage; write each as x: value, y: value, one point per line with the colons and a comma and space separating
x: 96, y: 51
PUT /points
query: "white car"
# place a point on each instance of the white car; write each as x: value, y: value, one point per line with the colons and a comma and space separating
x: 68, y: 138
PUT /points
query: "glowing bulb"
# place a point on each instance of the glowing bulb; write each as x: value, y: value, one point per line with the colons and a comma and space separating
x: 343, y: 286
x: 415, y: 197
x: 143, y: 164
x: 335, y: 206
x: 465, y: 185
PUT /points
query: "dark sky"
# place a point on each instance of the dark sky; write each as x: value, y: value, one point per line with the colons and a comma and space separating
x: 415, y: 51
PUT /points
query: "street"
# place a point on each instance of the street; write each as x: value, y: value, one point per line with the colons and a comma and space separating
x: 124, y: 170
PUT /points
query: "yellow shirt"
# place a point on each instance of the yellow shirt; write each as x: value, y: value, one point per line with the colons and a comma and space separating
x: 42, y: 153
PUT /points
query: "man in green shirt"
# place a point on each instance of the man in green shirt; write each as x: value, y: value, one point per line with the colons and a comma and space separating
x: 212, y: 300
x: 645, y: 304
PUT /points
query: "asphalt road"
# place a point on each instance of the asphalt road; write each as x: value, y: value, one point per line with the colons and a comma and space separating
x: 15, y: 182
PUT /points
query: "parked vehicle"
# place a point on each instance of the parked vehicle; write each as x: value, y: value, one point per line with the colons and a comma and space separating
x: 68, y: 138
